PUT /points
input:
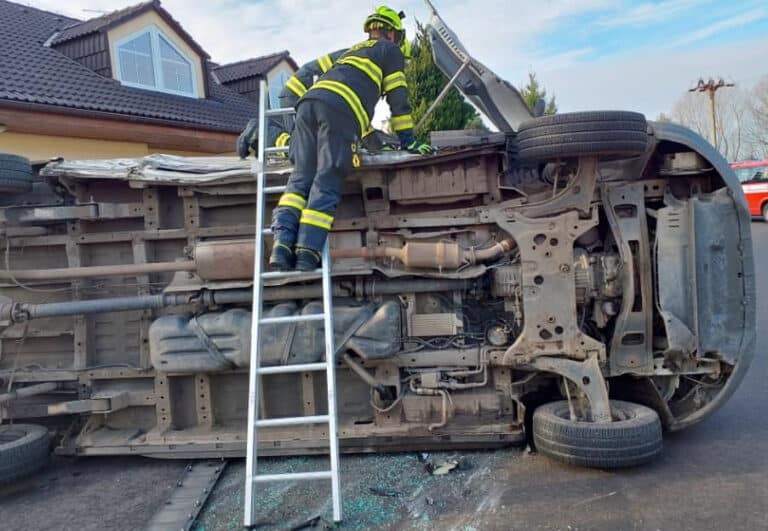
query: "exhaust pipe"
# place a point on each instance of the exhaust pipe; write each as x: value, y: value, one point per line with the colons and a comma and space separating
x: 233, y: 260
x: 238, y: 256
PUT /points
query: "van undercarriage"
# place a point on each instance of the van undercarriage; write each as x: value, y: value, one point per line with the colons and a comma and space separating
x: 467, y: 292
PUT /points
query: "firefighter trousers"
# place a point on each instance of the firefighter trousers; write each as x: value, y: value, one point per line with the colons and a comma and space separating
x: 323, y: 144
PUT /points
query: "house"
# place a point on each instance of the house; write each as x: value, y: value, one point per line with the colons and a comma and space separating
x: 244, y: 77
x: 125, y: 84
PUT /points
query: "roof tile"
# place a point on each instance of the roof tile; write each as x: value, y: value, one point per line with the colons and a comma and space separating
x: 33, y: 73
x: 81, y: 28
x: 257, y: 66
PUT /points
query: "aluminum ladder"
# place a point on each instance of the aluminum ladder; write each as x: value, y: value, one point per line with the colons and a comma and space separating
x: 257, y: 321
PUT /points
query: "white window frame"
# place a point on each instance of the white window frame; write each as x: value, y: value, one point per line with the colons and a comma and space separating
x: 277, y: 84
x: 154, y: 35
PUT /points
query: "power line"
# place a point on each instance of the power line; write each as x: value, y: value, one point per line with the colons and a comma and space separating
x: 711, y: 87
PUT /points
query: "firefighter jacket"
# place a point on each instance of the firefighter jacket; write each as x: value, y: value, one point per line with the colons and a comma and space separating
x: 298, y: 84
x: 360, y: 77
x: 279, y: 127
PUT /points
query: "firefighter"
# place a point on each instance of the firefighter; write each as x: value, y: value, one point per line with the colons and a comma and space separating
x: 279, y: 127
x: 331, y: 117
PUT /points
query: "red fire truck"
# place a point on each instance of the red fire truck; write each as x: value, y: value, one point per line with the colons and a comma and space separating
x: 753, y: 175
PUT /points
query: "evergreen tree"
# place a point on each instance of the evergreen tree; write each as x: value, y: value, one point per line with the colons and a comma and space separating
x: 477, y: 123
x: 425, y: 82
x: 533, y: 91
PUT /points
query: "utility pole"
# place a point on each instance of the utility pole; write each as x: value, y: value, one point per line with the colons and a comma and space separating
x: 710, y: 87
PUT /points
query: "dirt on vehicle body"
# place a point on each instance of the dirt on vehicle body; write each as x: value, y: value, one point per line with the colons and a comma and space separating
x: 591, y: 265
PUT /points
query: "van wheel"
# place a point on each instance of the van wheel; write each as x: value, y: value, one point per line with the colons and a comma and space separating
x: 15, y: 174
x: 633, y: 438
x: 23, y: 450
x: 579, y: 134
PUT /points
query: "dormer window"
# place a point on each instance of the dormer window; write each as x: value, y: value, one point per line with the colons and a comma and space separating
x: 150, y: 60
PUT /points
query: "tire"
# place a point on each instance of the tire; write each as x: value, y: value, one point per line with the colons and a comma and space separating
x: 600, y: 133
x: 15, y: 174
x: 765, y: 212
x: 23, y: 450
x: 621, y: 443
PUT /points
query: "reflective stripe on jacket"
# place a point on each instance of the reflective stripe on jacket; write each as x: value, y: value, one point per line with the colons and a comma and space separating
x: 359, y: 78
x: 298, y: 84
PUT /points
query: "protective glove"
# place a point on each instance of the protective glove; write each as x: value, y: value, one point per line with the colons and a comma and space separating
x: 248, y: 141
x: 421, y: 149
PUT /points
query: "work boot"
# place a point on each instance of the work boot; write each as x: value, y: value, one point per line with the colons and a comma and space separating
x: 282, y: 257
x: 307, y: 259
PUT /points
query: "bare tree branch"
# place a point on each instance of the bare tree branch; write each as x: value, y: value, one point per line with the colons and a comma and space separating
x: 737, y: 128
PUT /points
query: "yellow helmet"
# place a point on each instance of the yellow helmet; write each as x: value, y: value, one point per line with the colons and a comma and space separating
x: 387, y: 18
x: 384, y: 17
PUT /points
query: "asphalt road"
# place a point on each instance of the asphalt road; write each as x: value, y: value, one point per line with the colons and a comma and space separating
x: 711, y: 476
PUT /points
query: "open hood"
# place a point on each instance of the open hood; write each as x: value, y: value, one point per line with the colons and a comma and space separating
x: 501, y: 102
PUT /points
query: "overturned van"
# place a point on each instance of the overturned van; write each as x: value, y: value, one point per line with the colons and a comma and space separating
x: 584, y: 280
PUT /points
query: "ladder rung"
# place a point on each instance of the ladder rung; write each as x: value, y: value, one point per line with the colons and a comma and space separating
x: 287, y: 369
x: 274, y: 189
x: 281, y: 149
x: 291, y: 421
x: 296, y: 476
x: 272, y: 275
x: 279, y: 112
x: 293, y: 319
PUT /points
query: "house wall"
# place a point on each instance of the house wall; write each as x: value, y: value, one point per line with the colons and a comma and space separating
x: 249, y: 86
x: 50, y: 135
x: 142, y: 21
x: 38, y: 148
x: 91, y: 51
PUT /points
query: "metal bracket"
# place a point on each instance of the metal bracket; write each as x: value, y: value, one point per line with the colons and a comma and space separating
x: 588, y: 378
x: 58, y: 213
x: 97, y: 404
x: 633, y: 333
x: 550, y: 327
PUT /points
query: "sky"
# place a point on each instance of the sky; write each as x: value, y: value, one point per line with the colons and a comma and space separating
x: 592, y: 54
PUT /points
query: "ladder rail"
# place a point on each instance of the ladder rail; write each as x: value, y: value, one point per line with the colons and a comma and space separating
x: 330, y: 358
x: 257, y: 321
x: 251, y: 456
